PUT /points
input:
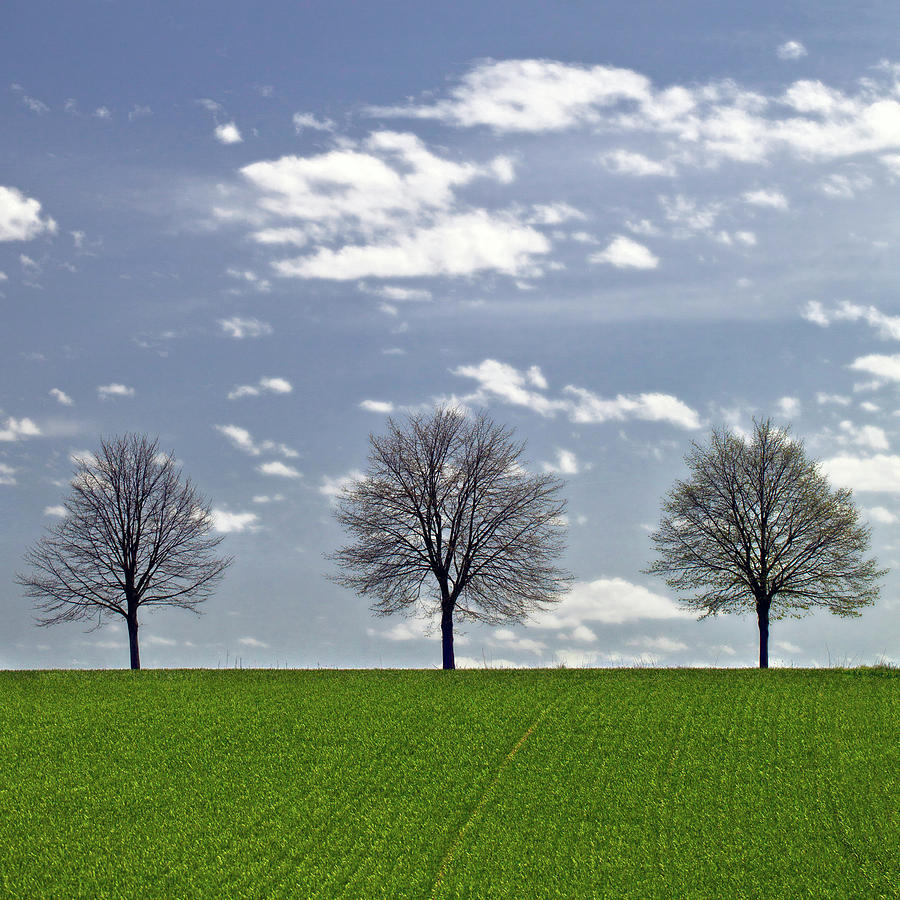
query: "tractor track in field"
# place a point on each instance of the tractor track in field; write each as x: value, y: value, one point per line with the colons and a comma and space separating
x: 449, y: 856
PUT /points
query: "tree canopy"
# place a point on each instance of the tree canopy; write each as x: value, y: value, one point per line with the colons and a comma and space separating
x: 135, y: 533
x: 447, y: 520
x: 757, y: 527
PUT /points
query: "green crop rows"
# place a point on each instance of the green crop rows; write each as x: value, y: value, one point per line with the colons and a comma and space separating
x: 621, y: 783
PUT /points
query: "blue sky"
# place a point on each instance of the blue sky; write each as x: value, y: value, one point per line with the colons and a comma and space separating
x: 258, y: 230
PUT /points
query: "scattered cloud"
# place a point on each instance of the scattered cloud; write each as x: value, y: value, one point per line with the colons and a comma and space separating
x: 17, y: 429
x: 263, y: 386
x: 660, y: 644
x: 56, y: 511
x: 385, y: 407
x: 880, y: 514
x: 309, y: 121
x: 102, y: 112
x: 887, y: 327
x: 845, y: 187
x: 247, y: 275
x: 869, y: 436
x: 455, y: 245
x: 624, y: 253
x: 252, y: 642
x: 242, y: 440
x: 790, y: 50
x: 228, y: 522
x: 7, y: 474
x: 239, y: 328
x: 626, y: 162
x: 20, y: 217
x: 108, y: 391
x: 228, y: 133
x: 397, y: 294
x: 880, y: 365
x: 61, y: 397
x: 837, y: 399
x: 268, y: 498
x: 788, y: 407
x: 278, y: 469
x: 32, y: 103
x: 878, y: 473
x: 718, y: 121
x: 766, y: 197
x: 610, y: 601
x: 566, y: 463
x: 500, y: 381
x: 333, y: 487
x: 554, y: 214
x: 139, y: 112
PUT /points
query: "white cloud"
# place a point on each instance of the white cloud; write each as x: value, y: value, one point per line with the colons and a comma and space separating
x: 397, y: 294
x: 155, y: 640
x: 227, y: 522
x: 20, y: 217
x: 243, y: 440
x: 61, y: 397
x: 788, y: 407
x: 837, y: 399
x: 880, y: 472
x: 252, y: 642
x: 611, y: 601
x: 35, y: 105
x: 332, y: 487
x: 139, y: 111
x: 790, y: 50
x: 718, y: 120
x: 261, y: 284
x: 385, y: 407
x: 566, y: 463
x: 767, y: 197
x: 888, y: 327
x: 660, y: 644
x: 530, y: 95
x: 278, y: 469
x: 385, y: 207
x: 845, y: 186
x: 308, y: 120
x: 268, y: 498
x: 624, y: 253
x: 589, y: 408
x: 16, y: 429
x: 880, y: 514
x: 878, y: 364
x: 239, y: 328
x: 102, y: 112
x: 456, y: 245
x: 501, y: 381
x: 554, y: 214
x: 228, y: 133
x: 264, y: 385
x: 869, y: 436
x: 56, y: 511
x: 7, y: 474
x: 107, y: 391
x: 625, y: 162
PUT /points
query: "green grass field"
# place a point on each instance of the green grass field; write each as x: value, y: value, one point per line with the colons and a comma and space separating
x: 555, y: 783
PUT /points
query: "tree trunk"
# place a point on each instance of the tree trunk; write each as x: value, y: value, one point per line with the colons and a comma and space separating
x: 762, y: 615
x: 447, y: 638
x: 133, y: 638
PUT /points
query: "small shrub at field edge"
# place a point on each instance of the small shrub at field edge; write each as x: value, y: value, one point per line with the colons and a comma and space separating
x: 571, y: 782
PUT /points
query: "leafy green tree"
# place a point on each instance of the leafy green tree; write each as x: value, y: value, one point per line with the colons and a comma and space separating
x: 757, y: 527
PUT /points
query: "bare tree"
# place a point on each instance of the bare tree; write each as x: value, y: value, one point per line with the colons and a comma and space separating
x: 134, y: 534
x: 447, y: 520
x: 757, y: 527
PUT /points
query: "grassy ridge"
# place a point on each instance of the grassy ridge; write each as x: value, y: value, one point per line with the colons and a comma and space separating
x: 628, y: 783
